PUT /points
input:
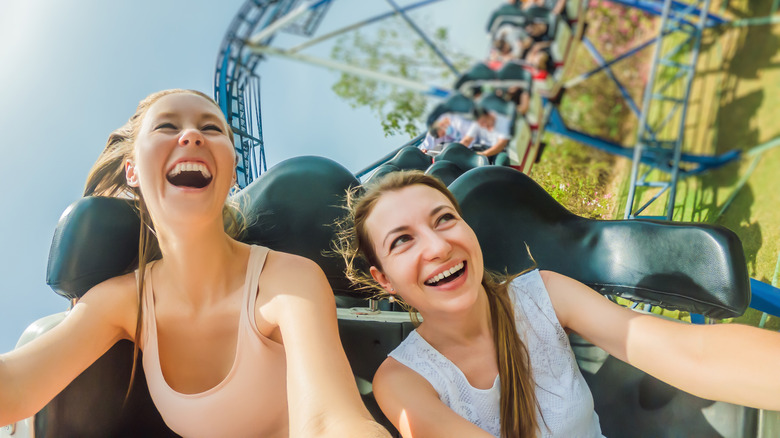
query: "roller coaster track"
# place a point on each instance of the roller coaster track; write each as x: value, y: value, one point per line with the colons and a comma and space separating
x: 236, y: 83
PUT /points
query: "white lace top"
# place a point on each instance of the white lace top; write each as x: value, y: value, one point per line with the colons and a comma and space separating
x: 565, y: 401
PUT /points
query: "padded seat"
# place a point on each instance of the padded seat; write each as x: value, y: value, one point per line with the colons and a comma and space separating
x: 698, y: 268
x: 464, y: 157
x: 411, y: 158
x: 445, y: 171
x: 478, y: 72
x: 506, y: 10
x: 512, y: 71
x: 457, y: 103
x: 381, y: 171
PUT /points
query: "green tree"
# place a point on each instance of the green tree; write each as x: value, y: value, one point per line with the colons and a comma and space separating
x: 394, y: 49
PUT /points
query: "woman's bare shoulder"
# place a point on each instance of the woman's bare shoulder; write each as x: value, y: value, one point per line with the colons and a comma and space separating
x: 117, y: 300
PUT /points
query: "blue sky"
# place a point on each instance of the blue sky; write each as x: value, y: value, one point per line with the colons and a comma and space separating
x: 71, y: 72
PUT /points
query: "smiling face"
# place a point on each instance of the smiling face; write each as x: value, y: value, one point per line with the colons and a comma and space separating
x: 183, y: 159
x: 426, y: 252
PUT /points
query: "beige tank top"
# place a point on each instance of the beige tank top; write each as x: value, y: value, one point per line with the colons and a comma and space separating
x: 250, y: 401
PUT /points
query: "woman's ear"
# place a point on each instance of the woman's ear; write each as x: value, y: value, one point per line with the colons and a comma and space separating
x: 131, y: 174
x: 382, y: 280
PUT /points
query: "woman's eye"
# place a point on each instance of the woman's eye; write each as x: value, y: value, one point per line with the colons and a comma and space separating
x: 400, y: 240
x: 214, y: 128
x: 166, y: 126
x: 445, y: 218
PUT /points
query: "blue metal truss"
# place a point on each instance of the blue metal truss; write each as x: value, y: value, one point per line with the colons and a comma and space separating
x: 237, y: 86
x: 666, y: 100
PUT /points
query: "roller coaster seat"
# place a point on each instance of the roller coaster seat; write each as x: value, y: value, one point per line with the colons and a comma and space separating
x: 545, y: 15
x: 464, y: 157
x: 671, y: 264
x: 445, y: 171
x: 457, y: 103
x: 512, y: 71
x: 478, y: 72
x: 506, y: 10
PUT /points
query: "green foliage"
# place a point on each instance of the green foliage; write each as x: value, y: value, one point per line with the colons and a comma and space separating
x: 396, y: 50
x: 576, y: 176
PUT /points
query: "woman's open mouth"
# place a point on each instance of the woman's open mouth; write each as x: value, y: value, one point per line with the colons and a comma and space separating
x: 447, y: 276
x: 189, y: 174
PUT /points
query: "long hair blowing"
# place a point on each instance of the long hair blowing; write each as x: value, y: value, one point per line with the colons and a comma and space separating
x: 518, y: 403
x: 107, y: 178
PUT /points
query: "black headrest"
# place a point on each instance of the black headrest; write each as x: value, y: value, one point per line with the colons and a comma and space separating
x: 290, y: 208
x: 504, y: 10
x: 457, y: 103
x: 381, y: 171
x: 478, y: 72
x: 698, y: 268
x: 445, y: 171
x: 411, y: 158
x: 494, y: 103
x: 293, y: 207
x: 464, y: 157
x: 514, y: 72
x: 96, y: 239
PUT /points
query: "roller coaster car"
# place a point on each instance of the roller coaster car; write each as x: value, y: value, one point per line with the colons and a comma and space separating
x: 457, y: 103
x: 694, y: 267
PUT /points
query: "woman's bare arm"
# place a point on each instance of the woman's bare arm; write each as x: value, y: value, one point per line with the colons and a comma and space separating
x: 321, y: 391
x: 727, y: 362
x: 414, y: 407
x: 36, y: 372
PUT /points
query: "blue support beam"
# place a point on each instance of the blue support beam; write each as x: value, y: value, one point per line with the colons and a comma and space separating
x: 603, y: 65
x: 677, y: 8
x: 764, y: 297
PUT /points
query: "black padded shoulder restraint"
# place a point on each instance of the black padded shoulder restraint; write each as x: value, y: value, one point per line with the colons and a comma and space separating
x: 694, y: 267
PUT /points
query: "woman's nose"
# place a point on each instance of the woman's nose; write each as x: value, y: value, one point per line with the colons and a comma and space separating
x: 436, y: 246
x: 191, y: 137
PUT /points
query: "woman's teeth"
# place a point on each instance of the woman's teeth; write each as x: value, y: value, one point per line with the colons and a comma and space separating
x: 441, y: 276
x: 189, y: 174
x: 189, y: 166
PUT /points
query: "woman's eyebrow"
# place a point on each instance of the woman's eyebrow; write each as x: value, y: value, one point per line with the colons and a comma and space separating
x: 393, y: 231
x: 435, y: 211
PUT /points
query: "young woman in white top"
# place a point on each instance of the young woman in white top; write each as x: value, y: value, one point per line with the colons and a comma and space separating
x: 175, y: 157
x: 491, y: 358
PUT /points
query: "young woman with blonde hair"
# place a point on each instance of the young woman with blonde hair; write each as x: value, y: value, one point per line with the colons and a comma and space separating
x: 237, y: 340
x: 491, y: 358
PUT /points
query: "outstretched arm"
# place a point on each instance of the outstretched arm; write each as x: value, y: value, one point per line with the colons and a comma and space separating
x: 36, y: 372
x: 323, y: 400
x: 414, y: 407
x: 727, y: 362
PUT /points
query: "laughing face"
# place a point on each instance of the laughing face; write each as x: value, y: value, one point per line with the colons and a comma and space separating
x: 428, y: 254
x: 183, y: 159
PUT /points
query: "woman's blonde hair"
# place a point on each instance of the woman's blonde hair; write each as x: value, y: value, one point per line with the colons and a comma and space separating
x: 518, y: 398
x: 107, y: 178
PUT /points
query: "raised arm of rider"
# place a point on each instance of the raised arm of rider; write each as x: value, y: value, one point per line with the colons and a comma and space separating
x: 726, y: 362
